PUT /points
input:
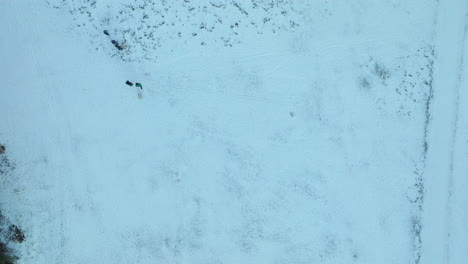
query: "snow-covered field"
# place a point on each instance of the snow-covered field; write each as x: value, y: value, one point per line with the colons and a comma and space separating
x: 268, y: 131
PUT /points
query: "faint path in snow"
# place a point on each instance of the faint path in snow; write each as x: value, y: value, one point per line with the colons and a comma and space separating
x: 458, y: 200
x: 30, y: 22
x: 441, y: 131
x: 461, y: 74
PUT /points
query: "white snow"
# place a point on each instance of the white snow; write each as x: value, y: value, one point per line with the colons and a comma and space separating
x: 296, y: 136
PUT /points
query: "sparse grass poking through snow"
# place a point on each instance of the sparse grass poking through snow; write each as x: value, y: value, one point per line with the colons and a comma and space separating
x: 9, y: 233
x: 6, y: 257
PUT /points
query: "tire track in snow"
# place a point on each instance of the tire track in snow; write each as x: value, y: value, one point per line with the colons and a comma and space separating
x: 448, y: 205
x: 416, y: 217
x: 458, y: 232
x: 441, y: 114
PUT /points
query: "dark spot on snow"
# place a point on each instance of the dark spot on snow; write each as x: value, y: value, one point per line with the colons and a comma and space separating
x: 329, y: 249
x: 117, y: 45
x: 381, y: 71
x: 364, y: 83
x: 5, y: 165
x: 15, y: 234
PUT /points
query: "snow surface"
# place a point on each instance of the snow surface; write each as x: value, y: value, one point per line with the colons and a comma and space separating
x: 269, y: 131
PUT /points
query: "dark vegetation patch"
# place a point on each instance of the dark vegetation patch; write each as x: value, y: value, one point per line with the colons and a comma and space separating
x: 401, y: 85
x: 364, y: 83
x: 6, y: 256
x: 381, y: 71
x: 9, y: 232
x: 5, y: 164
x: 147, y: 26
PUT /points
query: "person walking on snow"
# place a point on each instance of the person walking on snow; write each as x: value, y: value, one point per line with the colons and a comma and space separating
x: 138, y: 85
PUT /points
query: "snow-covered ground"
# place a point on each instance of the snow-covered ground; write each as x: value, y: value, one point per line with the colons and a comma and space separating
x: 268, y: 131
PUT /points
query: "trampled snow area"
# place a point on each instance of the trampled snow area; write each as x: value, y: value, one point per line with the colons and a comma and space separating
x: 267, y: 131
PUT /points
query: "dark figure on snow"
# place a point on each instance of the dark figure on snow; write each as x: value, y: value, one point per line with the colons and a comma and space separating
x: 116, y: 45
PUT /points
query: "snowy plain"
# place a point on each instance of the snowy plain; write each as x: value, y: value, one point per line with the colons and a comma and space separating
x: 269, y: 131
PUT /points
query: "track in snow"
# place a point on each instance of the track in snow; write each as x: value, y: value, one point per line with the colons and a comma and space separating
x: 444, y: 111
